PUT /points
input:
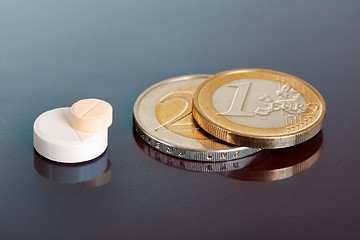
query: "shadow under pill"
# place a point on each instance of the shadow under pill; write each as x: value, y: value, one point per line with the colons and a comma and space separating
x: 96, y: 172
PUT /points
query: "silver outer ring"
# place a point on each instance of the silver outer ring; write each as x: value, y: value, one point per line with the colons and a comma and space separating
x: 206, y: 167
x: 186, y: 153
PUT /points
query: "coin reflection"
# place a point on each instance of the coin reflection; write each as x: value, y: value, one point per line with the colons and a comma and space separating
x: 275, y: 164
x: 192, y: 165
x: 96, y: 172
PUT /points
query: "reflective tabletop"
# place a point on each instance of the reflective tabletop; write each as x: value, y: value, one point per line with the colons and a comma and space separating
x: 53, y: 53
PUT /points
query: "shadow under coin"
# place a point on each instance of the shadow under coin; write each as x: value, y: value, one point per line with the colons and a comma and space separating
x: 96, y: 172
x: 276, y: 164
x: 210, y: 167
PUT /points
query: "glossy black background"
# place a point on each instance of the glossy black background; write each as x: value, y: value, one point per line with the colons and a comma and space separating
x: 53, y: 53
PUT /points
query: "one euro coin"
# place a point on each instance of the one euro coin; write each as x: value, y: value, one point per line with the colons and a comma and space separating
x: 259, y: 108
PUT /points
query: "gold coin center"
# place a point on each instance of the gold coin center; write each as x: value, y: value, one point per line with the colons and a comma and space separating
x: 174, y: 113
x: 259, y: 103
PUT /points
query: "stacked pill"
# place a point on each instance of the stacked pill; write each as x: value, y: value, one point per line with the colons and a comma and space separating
x: 227, y: 116
x: 73, y: 134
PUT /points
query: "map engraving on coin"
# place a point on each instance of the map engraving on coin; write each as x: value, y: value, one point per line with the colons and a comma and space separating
x: 259, y: 108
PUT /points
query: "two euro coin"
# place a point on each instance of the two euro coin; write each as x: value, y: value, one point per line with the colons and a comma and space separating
x: 163, y: 119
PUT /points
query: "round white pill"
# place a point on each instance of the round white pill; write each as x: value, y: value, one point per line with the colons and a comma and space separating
x: 55, y: 139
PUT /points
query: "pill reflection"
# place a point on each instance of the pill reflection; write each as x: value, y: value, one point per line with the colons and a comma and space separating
x: 96, y: 172
x: 192, y: 165
x: 276, y: 164
x: 102, y: 179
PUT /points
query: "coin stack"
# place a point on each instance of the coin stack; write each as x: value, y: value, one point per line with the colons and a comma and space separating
x: 224, y: 119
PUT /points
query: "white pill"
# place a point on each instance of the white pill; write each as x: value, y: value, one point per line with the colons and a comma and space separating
x: 55, y: 139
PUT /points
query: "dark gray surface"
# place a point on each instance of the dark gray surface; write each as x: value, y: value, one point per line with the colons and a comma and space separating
x: 53, y: 53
